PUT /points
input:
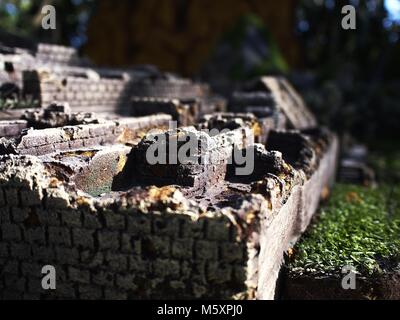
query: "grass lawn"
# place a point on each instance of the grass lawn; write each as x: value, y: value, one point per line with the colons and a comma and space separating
x: 359, y: 227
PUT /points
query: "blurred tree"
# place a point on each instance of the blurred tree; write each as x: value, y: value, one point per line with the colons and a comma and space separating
x: 245, y: 51
x: 326, y: 43
x: 356, y: 65
x: 179, y: 35
x: 353, y: 72
x: 24, y: 18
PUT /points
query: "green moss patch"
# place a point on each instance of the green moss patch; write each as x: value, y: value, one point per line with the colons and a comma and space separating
x: 358, y: 227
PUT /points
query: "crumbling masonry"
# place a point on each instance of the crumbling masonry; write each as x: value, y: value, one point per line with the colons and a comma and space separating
x: 76, y: 191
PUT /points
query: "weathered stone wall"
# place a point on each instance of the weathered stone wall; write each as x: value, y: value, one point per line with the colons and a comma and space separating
x: 12, y: 128
x: 50, y: 53
x: 77, y: 192
x: 110, y: 252
x: 155, y: 242
x: 83, y: 93
x: 293, y: 218
x: 39, y: 142
x: 13, y: 61
x: 54, y: 73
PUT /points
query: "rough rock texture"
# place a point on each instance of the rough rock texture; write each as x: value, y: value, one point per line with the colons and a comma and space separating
x: 13, y: 61
x: 88, y: 89
x: 208, y: 162
x: 51, y: 73
x: 291, y: 220
x: 77, y: 190
x: 185, y: 113
x: 151, y: 242
x: 12, y: 128
x: 91, y: 170
x: 43, y: 141
x: 84, y: 90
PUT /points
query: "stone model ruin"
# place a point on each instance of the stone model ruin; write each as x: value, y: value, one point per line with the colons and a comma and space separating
x: 77, y: 191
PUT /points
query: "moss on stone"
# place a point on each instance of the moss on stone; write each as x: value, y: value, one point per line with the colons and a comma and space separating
x: 359, y: 227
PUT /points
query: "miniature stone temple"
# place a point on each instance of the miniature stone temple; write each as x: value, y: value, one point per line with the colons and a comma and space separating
x: 78, y: 192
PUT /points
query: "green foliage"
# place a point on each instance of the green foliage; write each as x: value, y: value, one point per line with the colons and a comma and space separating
x: 272, y: 62
x: 359, y: 227
x: 356, y: 71
x: 7, y: 104
x: 328, y: 46
x: 245, y: 51
x: 15, y: 15
x: 23, y: 18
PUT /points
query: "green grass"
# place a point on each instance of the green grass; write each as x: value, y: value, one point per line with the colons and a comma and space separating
x: 358, y: 227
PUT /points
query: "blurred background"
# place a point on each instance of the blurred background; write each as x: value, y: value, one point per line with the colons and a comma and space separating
x: 349, y: 78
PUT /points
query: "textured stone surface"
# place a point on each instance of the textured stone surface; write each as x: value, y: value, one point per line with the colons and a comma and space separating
x: 267, y: 95
x: 150, y: 242
x: 78, y: 192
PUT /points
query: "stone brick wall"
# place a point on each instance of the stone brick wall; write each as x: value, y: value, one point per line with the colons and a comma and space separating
x: 39, y: 142
x: 83, y: 93
x: 77, y: 192
x: 13, y: 61
x: 111, y: 252
x: 12, y: 128
x: 57, y: 54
